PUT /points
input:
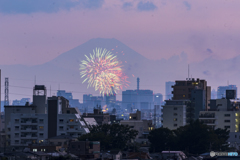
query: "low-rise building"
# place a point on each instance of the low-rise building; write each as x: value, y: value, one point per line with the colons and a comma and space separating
x: 142, y: 126
x: 99, y: 116
x: 85, y: 149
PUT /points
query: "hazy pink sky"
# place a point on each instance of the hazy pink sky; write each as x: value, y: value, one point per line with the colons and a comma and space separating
x: 36, y: 33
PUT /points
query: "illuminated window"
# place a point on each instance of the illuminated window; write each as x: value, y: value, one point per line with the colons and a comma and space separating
x: 40, y: 127
x: 175, y: 119
x: 184, y: 95
x: 71, y: 126
x: 34, y: 150
x: 71, y: 120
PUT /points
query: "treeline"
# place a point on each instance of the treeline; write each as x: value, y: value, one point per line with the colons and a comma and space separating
x: 194, y: 138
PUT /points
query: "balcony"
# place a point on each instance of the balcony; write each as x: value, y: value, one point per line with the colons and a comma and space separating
x: 207, y: 116
x: 26, y: 122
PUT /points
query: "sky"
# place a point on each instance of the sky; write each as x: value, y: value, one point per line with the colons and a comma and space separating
x: 35, y: 32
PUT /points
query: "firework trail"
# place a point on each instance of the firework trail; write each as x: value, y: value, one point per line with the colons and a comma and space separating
x: 103, y: 71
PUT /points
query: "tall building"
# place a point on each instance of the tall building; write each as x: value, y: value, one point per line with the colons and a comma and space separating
x: 195, y: 90
x: 214, y: 94
x: 90, y: 102
x: 158, y: 99
x: 168, y: 90
x: 221, y: 91
x: 137, y: 99
x: 142, y: 100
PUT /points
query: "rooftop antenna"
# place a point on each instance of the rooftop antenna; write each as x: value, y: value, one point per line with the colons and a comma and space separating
x: 188, y: 71
x: 58, y: 86
x: 35, y: 81
x: 6, y: 101
x: 228, y: 83
x: 50, y: 91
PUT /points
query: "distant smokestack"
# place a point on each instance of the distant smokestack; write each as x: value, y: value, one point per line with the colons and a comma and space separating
x: 138, y: 80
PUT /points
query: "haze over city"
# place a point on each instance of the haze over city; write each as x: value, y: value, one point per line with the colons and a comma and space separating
x: 119, y: 79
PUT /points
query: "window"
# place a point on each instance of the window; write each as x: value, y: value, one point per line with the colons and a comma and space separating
x: 175, y: 119
x: 73, y: 146
x: 227, y: 120
x: 60, y: 127
x: 34, y: 150
x: 16, y: 120
x: 71, y: 120
x: 16, y: 134
x: 40, y: 134
x: 175, y: 125
x: 18, y: 110
x: 236, y: 136
x: 40, y: 127
x: 226, y: 127
x: 71, y: 127
x: 227, y: 115
x: 175, y: 108
x: 68, y: 111
x: 175, y: 114
x: 40, y: 120
x: 184, y: 95
x: 60, y: 120
x: 16, y: 141
x: 16, y: 127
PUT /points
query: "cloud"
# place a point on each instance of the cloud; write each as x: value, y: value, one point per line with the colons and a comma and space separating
x: 209, y: 50
x: 207, y: 73
x: 127, y: 5
x: 49, y: 6
x: 92, y: 4
x: 188, y: 5
x: 148, y: 6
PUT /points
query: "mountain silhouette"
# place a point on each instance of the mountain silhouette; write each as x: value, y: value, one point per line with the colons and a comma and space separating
x: 63, y: 71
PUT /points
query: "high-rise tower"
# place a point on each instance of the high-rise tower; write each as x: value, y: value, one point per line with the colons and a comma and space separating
x: 138, y: 81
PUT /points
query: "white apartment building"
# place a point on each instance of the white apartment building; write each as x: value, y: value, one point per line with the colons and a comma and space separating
x: 43, y: 119
x: 71, y: 124
x: 27, y: 129
x: 221, y: 119
x: 174, y: 114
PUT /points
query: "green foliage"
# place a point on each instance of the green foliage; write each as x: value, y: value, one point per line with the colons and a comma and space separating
x: 161, y: 139
x: 61, y: 158
x: 111, y: 136
x: 218, y: 142
x: 194, y: 138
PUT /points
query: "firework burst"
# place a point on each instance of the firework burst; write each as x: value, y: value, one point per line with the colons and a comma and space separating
x: 103, y: 71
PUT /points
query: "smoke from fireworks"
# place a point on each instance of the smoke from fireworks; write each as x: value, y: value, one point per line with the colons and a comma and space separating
x: 103, y: 71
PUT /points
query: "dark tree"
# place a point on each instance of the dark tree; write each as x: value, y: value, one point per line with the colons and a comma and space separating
x: 114, y: 136
x: 161, y: 139
x: 219, y: 140
x: 194, y: 138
